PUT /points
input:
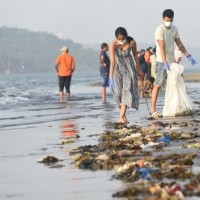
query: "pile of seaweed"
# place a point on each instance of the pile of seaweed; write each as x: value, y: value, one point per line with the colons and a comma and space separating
x: 159, y: 161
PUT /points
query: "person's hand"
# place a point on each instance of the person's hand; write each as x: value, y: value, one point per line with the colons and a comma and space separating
x: 103, y: 64
x: 111, y: 85
x: 140, y: 73
x: 192, y: 61
x: 166, y: 66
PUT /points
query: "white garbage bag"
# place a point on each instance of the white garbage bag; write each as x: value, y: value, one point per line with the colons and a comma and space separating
x: 177, y: 101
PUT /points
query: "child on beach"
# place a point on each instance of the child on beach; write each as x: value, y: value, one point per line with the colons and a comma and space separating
x: 104, y: 69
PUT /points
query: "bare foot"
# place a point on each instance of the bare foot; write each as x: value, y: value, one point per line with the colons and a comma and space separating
x: 125, y: 119
x: 103, y: 101
x: 121, y: 120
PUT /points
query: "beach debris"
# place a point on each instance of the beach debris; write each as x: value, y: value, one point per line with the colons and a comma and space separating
x: 49, y: 160
x: 197, y: 102
x: 143, y: 157
x: 43, y: 149
x: 164, y: 139
x: 192, y: 145
x: 66, y: 141
x: 57, y: 166
x: 93, y: 135
x: 145, y: 173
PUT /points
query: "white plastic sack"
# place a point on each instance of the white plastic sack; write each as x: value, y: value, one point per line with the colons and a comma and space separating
x: 177, y: 101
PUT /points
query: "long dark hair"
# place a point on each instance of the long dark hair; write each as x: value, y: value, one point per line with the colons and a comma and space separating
x: 129, y: 38
x: 121, y: 31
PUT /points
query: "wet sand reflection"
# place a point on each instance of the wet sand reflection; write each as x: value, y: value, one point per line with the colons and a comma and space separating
x: 68, y: 128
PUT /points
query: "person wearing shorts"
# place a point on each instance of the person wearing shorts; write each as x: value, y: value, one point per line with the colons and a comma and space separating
x: 166, y: 35
x: 104, y: 70
x: 64, y: 66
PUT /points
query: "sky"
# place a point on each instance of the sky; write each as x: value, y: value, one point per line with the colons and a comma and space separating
x: 95, y: 21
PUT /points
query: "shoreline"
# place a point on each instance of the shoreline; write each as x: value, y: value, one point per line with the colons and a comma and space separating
x: 191, y: 77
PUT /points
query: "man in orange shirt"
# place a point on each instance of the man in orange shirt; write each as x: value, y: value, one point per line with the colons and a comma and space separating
x: 64, y: 66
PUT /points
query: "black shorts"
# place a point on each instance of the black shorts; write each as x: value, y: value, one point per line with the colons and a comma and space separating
x: 64, y: 81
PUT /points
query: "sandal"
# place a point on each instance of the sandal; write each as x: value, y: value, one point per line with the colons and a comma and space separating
x: 156, y: 115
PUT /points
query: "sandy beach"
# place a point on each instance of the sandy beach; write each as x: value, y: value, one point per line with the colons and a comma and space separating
x: 192, y: 77
x: 33, y: 126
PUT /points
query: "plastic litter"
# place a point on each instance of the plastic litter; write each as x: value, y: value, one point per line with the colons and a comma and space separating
x: 164, y: 139
x: 145, y: 173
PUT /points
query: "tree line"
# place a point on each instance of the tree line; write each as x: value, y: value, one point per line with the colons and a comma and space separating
x: 22, y: 50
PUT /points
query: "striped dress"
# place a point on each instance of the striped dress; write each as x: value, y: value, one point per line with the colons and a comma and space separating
x: 125, y: 78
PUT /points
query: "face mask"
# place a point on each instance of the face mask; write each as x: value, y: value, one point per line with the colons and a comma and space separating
x: 121, y: 42
x: 168, y: 24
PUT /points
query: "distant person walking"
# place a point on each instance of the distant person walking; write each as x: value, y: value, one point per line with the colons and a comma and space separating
x: 104, y: 69
x: 165, y: 35
x: 65, y: 66
x: 124, y: 72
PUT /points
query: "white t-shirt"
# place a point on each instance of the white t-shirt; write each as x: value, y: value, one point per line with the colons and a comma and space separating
x: 168, y: 35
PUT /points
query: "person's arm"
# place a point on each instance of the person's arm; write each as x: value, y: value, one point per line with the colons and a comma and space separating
x: 112, y: 59
x: 161, y: 44
x: 134, y: 51
x: 56, y: 67
x: 73, y: 64
x: 181, y: 47
x: 102, y: 60
x: 57, y: 63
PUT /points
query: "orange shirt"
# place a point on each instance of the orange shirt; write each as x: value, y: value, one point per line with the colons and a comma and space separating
x: 65, y: 63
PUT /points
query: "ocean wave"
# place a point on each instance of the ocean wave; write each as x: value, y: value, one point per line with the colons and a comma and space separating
x: 11, y: 98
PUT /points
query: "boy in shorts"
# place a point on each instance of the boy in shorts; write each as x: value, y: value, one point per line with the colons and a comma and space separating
x: 104, y: 69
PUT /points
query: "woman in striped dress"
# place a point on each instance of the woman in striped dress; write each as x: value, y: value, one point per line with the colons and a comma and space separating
x: 124, y: 72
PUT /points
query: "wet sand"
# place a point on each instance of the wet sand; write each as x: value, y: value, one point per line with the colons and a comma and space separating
x: 22, y: 177
x: 40, y: 133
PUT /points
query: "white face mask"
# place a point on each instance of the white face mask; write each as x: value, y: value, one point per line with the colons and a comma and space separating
x: 121, y: 42
x: 168, y: 24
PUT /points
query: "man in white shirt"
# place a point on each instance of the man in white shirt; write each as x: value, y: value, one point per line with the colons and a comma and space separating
x: 165, y: 35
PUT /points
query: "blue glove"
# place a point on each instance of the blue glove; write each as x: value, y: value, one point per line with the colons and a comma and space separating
x: 189, y: 57
x: 111, y: 85
x: 166, y: 66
